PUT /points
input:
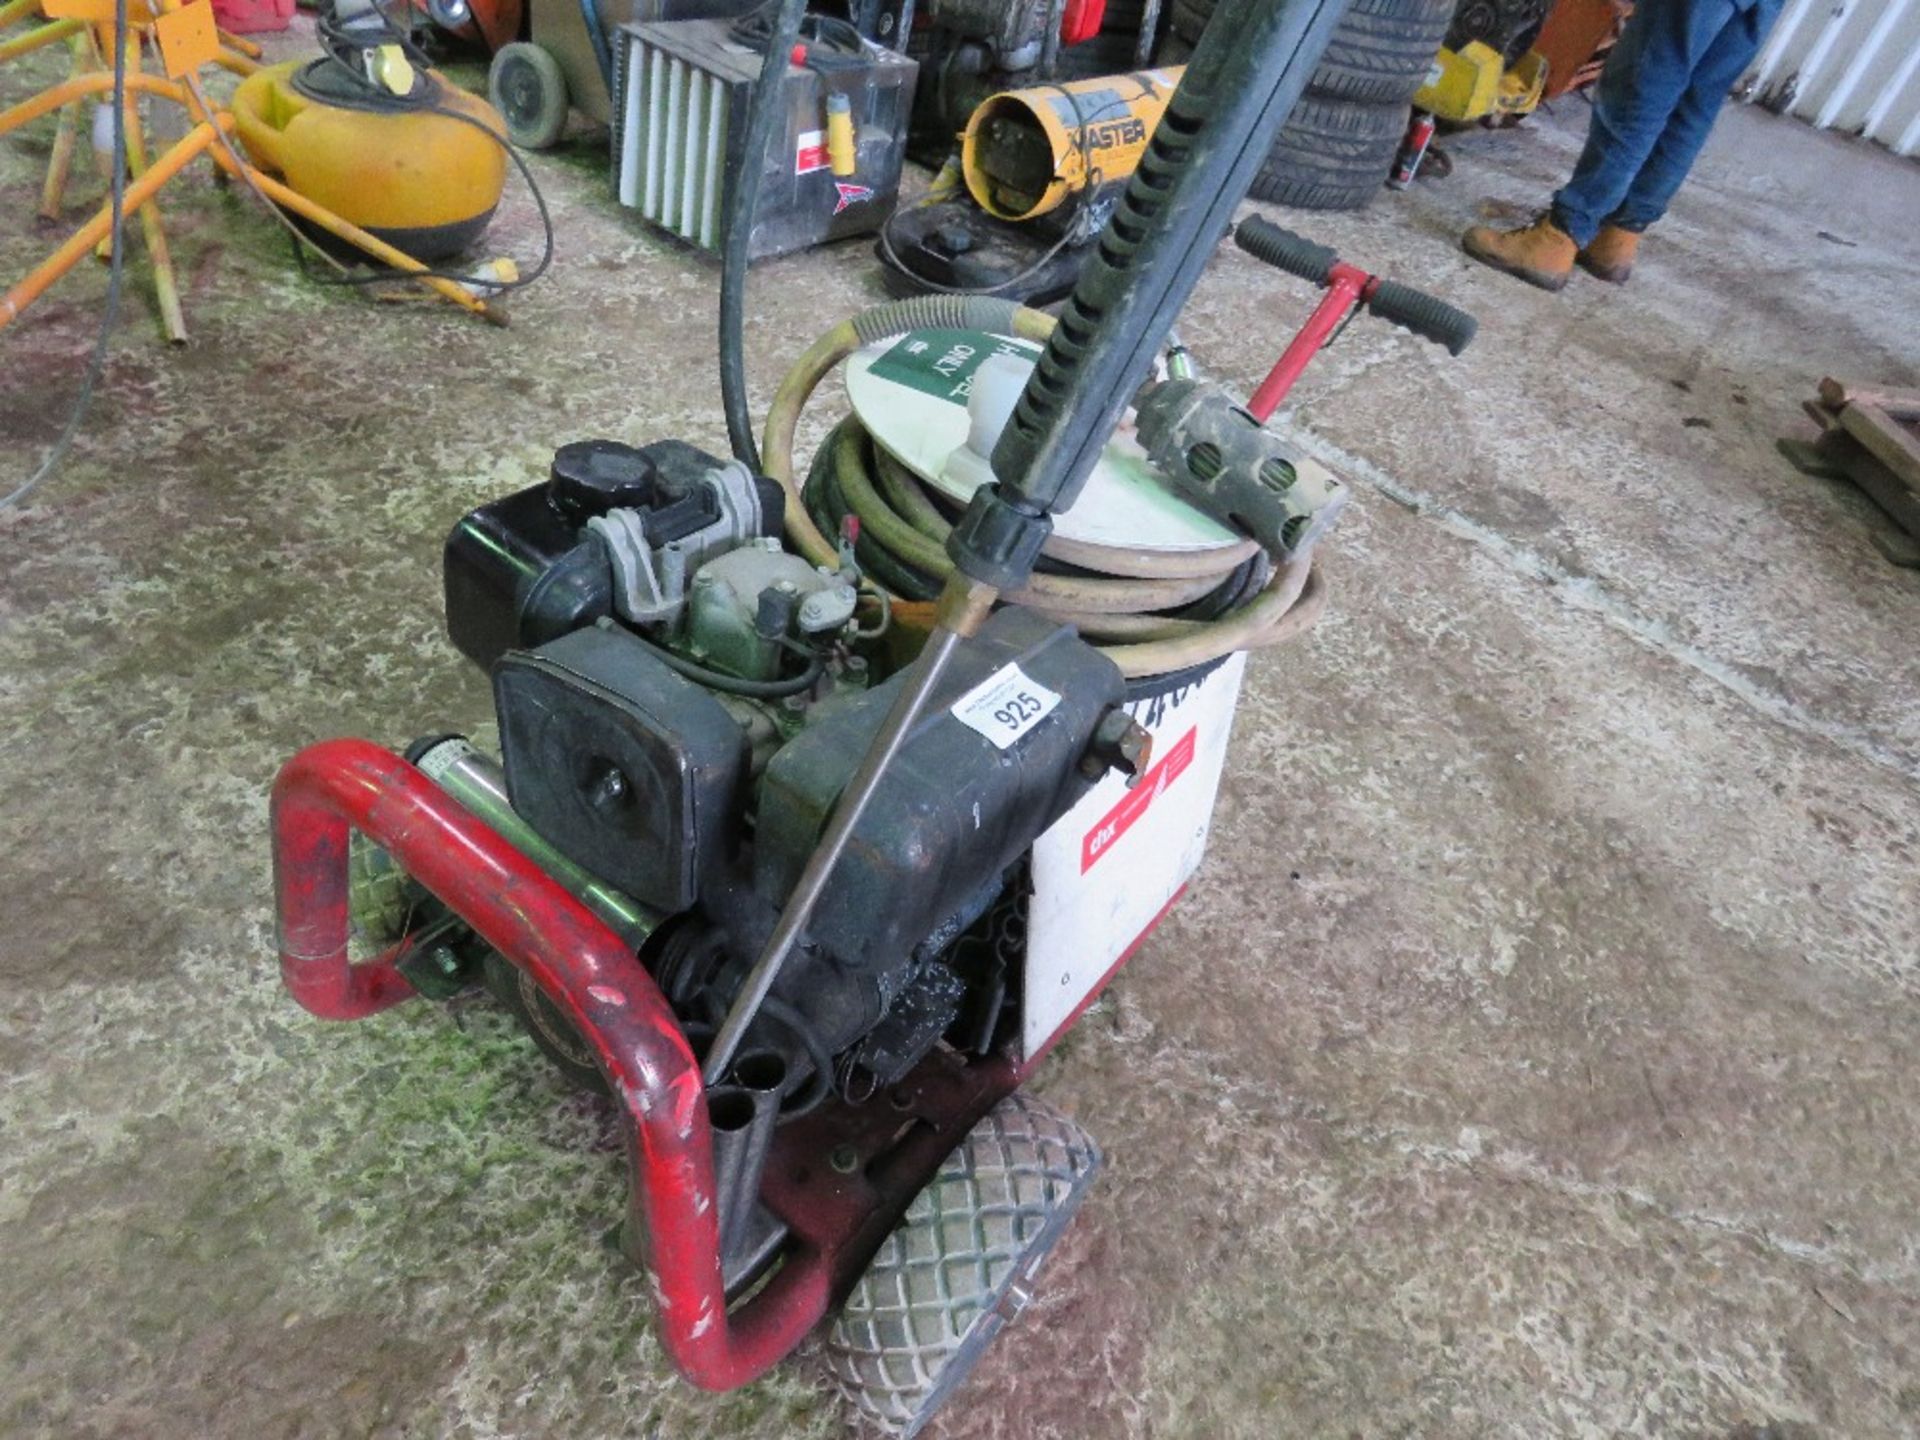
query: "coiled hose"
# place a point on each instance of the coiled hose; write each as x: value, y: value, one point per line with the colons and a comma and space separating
x: 1150, y: 613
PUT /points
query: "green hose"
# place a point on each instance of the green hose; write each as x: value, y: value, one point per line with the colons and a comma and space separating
x: 1151, y: 613
x: 848, y: 477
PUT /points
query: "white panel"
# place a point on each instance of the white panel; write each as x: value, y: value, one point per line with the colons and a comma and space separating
x: 695, y: 152
x: 673, y: 150
x: 656, y: 130
x: 1851, y: 65
x: 715, y: 168
x: 1900, y: 95
x: 633, y: 125
x: 1909, y: 141
x: 1791, y: 34
x: 1106, y: 871
x: 1865, y: 71
x: 673, y: 147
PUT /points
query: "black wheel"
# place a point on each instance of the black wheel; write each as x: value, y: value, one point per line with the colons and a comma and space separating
x: 380, y: 898
x: 527, y: 88
x: 1381, y: 50
x: 1509, y: 26
x: 1188, y: 18
x: 1331, y: 154
x: 1111, y: 51
x: 961, y: 1264
x: 1102, y: 55
x: 544, y: 1024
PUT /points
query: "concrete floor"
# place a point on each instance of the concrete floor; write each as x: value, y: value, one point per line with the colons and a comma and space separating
x: 1534, y: 1056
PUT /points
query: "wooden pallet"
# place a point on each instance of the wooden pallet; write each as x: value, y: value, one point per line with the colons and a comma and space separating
x: 1867, y: 435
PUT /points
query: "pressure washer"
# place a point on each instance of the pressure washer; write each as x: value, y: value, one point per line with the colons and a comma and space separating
x: 822, y: 806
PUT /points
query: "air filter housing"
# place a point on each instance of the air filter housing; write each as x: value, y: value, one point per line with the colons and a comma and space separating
x: 626, y: 768
x: 680, y: 110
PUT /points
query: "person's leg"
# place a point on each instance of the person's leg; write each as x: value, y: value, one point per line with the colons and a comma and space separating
x: 1647, y: 77
x: 1687, y: 128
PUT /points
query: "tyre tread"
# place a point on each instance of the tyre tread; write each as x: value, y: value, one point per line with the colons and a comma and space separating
x: 1380, y: 51
x: 952, y: 1256
x: 1331, y: 154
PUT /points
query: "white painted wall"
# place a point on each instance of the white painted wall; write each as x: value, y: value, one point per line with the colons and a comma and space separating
x: 1851, y: 65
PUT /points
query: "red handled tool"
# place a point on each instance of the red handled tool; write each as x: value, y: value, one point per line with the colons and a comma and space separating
x: 1347, y: 287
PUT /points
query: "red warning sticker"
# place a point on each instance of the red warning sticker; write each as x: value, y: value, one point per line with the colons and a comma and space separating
x: 1136, y: 802
x: 846, y: 195
x: 810, y: 152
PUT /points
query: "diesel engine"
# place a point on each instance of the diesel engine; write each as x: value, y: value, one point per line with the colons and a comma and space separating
x: 680, y: 703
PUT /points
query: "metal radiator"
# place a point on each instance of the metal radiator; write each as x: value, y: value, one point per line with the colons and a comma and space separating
x: 680, y: 102
x: 672, y: 135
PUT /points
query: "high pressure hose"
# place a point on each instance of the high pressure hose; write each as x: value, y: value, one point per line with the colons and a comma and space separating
x: 743, y: 198
x: 1151, y: 613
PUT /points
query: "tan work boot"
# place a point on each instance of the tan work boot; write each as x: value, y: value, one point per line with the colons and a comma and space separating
x: 1610, y: 256
x: 1541, y: 253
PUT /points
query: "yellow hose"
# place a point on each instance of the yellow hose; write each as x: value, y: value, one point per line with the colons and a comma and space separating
x: 903, y: 492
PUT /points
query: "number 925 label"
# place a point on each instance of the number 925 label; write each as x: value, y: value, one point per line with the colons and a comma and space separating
x: 1005, y: 706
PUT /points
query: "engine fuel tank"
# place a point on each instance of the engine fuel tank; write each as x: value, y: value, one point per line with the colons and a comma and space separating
x: 993, y: 761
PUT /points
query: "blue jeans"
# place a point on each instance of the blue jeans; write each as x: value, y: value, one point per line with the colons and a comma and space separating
x: 1663, y: 85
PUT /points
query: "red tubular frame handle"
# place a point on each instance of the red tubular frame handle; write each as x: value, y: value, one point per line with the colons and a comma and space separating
x: 341, y: 785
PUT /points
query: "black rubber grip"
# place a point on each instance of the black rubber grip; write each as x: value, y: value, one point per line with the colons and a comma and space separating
x: 1425, y: 315
x: 1218, y: 128
x: 1285, y: 250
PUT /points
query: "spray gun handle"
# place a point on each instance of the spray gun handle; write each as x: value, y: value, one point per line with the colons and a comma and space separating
x: 1279, y: 247
x: 1427, y: 316
x: 1218, y: 126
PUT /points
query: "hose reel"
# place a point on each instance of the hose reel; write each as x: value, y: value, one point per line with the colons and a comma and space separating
x: 1165, y: 588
